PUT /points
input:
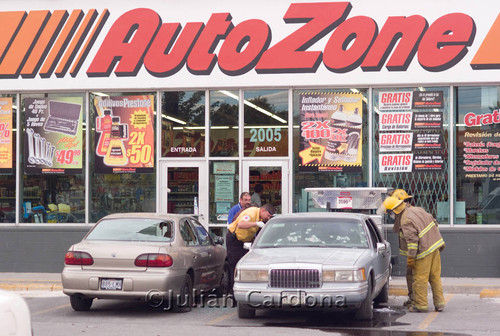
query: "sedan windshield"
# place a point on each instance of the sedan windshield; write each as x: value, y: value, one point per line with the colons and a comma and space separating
x: 133, y: 229
x: 318, y: 233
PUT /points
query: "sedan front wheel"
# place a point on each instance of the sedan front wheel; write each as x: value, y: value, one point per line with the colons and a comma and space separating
x: 245, y: 311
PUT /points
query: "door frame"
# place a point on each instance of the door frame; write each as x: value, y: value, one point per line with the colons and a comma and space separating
x: 285, y: 178
x: 162, y: 200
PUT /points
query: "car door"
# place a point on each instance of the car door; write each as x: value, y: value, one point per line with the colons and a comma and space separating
x: 381, y: 259
x: 215, y: 257
x: 197, y: 255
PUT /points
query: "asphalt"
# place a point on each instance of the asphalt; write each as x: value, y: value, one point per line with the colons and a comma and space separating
x: 484, y: 287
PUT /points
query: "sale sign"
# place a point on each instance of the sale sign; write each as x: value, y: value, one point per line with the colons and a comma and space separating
x: 53, y: 137
x: 5, y: 135
x: 124, y: 134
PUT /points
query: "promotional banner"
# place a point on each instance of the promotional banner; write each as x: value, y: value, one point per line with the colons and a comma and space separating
x: 479, y: 146
x: 6, y: 154
x: 124, y: 134
x: 330, y: 131
x: 420, y: 113
x: 53, y: 137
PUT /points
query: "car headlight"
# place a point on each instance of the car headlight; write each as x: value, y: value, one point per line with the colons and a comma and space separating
x: 344, y: 275
x: 251, y: 275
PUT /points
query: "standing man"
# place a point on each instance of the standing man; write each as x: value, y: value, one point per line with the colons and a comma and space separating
x: 244, y: 203
x: 256, y: 195
x: 243, y: 230
x: 421, y: 241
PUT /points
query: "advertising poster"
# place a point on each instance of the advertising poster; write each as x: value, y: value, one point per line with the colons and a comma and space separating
x: 224, y: 188
x: 478, y: 150
x: 124, y: 134
x: 420, y: 113
x: 53, y: 137
x: 6, y: 153
x: 330, y: 131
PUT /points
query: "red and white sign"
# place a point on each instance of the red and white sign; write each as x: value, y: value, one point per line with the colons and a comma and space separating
x: 395, y: 121
x: 396, y: 142
x: 395, y: 101
x: 395, y: 163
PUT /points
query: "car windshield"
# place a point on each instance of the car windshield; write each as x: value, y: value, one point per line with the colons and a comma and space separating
x: 133, y: 229
x: 348, y: 233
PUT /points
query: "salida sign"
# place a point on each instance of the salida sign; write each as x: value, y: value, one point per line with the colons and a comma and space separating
x: 41, y: 42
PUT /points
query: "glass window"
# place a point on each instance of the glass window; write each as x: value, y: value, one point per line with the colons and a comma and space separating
x: 478, y: 155
x: 224, y: 123
x: 187, y: 233
x: 183, y: 124
x: 122, y: 170
x: 202, y: 234
x: 266, y: 123
x: 329, y: 152
x: 136, y: 229
x: 53, y: 142
x: 224, y: 178
x: 8, y: 129
x: 410, y: 145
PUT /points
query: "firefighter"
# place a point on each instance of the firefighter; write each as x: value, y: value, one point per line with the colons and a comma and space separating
x: 421, y: 241
x: 403, y: 195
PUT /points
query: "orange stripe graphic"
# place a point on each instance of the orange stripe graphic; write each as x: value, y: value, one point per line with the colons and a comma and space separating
x: 61, y: 43
x: 488, y: 55
x: 44, y: 43
x: 10, y: 23
x: 76, y: 43
x: 88, y: 44
x: 23, y: 42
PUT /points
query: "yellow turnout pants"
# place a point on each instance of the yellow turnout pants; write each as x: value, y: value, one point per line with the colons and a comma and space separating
x: 427, y: 270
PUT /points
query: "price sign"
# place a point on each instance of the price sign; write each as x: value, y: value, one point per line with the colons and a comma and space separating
x: 344, y: 202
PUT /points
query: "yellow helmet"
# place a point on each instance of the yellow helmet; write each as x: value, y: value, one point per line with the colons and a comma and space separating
x: 392, y: 203
x: 401, y: 194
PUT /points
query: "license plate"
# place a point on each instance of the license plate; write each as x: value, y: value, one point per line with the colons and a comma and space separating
x: 111, y: 284
x: 293, y: 298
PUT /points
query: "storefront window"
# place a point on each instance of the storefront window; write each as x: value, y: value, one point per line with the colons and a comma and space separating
x: 224, y: 123
x: 53, y: 143
x: 223, y: 189
x: 410, y: 147
x: 478, y: 155
x: 8, y: 116
x: 183, y: 124
x: 266, y: 123
x: 330, y: 135
x: 122, y: 159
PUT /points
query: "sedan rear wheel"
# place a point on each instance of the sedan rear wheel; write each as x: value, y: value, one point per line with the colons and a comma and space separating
x: 245, y: 311
x: 223, y: 288
x: 80, y: 303
x: 184, y: 302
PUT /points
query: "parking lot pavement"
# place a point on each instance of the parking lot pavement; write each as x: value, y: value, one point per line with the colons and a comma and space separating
x: 484, y: 287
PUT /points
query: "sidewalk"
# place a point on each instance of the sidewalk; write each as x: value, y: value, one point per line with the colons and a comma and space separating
x: 485, y: 287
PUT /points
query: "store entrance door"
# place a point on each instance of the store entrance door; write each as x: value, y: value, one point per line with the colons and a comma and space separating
x: 273, y: 176
x: 182, y: 185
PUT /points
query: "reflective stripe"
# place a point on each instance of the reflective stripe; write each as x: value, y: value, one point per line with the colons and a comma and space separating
x: 431, y: 249
x: 412, y: 246
x: 403, y: 252
x: 424, y: 231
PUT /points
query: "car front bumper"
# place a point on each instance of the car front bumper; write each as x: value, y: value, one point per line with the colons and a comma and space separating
x: 335, y: 295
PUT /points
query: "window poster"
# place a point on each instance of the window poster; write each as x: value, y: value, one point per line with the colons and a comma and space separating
x: 419, y: 114
x: 330, y: 131
x: 124, y: 134
x: 6, y: 149
x: 53, y: 137
x: 478, y: 146
x: 224, y: 188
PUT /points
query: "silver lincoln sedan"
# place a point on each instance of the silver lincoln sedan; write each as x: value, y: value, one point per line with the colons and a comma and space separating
x: 156, y: 258
x: 315, y: 260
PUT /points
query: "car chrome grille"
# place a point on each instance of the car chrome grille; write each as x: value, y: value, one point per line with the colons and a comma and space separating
x: 294, y: 278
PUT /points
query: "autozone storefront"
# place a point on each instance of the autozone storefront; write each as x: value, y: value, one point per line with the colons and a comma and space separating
x: 180, y: 108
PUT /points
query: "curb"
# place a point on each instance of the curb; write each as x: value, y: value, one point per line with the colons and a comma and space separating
x: 489, y: 293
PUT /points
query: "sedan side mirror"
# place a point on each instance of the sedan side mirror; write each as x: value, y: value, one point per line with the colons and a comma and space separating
x: 247, y: 246
x: 218, y: 240
x: 381, y: 247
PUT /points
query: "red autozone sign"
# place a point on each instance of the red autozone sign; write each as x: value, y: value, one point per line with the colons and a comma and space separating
x: 41, y: 43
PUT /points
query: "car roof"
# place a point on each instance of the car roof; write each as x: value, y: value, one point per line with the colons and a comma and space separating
x: 160, y: 216
x: 323, y: 215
